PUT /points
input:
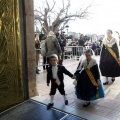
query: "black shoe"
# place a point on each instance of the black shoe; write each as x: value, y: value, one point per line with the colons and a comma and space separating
x: 50, y: 105
x: 66, y: 102
x: 113, y: 80
x: 105, y: 83
x: 86, y: 104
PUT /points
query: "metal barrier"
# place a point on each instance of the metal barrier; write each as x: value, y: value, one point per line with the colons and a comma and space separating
x: 73, y: 52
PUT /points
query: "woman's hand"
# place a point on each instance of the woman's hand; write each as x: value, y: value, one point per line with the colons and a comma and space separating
x: 119, y: 59
x: 98, y: 82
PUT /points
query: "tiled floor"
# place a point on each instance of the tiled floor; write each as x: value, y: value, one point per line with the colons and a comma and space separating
x: 108, y: 108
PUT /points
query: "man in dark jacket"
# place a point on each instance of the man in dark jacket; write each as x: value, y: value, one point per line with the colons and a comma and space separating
x: 55, y: 75
x: 81, y: 41
x: 62, y: 43
x: 52, y: 46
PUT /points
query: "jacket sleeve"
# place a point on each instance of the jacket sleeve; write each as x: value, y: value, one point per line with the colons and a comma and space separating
x: 57, y: 46
x: 65, y: 71
x: 76, y: 72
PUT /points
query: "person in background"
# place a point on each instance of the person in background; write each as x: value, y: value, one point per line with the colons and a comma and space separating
x: 81, y: 41
x: 52, y: 46
x: 37, y: 47
x: 43, y: 51
x: 98, y: 49
x: 110, y: 58
x: 94, y: 46
x: 62, y: 45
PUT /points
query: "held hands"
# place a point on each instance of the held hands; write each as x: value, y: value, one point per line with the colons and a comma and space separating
x: 98, y: 82
x: 74, y: 77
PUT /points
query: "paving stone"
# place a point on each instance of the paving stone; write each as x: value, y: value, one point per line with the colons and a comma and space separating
x: 107, y: 108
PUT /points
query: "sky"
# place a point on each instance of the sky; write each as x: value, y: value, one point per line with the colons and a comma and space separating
x: 105, y: 14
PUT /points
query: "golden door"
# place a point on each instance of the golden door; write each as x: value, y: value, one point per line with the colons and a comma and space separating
x: 11, y: 82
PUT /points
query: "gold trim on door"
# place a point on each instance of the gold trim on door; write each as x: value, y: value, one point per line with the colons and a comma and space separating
x: 11, y: 82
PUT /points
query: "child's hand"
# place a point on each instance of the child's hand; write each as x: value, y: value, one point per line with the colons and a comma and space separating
x: 74, y: 77
x: 75, y: 82
x: 48, y: 84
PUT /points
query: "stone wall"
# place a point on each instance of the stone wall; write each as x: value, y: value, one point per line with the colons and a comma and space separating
x: 27, y: 34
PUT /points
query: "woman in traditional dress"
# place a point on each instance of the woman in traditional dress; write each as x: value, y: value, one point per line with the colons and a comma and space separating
x: 81, y: 59
x: 109, y: 58
x: 89, y: 86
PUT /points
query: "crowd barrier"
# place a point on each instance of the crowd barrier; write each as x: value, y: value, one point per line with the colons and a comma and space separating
x: 73, y: 52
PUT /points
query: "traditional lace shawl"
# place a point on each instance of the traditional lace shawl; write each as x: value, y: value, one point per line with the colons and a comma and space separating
x: 91, y: 63
x: 109, y: 43
x: 85, y: 64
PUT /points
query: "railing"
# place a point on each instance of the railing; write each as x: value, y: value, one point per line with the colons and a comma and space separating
x: 73, y: 52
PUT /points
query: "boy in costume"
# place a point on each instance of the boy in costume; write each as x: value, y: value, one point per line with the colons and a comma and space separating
x: 55, y: 75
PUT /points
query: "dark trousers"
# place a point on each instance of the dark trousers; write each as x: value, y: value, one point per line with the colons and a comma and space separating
x: 61, y: 61
x: 44, y: 63
x: 54, y: 87
x: 47, y: 62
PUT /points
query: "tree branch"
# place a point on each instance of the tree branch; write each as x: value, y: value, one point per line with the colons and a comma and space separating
x: 62, y: 17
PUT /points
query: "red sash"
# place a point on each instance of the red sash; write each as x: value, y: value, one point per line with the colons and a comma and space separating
x: 54, y: 81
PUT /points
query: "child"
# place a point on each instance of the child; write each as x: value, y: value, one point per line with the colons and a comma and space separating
x: 88, y: 86
x: 81, y: 59
x: 55, y: 75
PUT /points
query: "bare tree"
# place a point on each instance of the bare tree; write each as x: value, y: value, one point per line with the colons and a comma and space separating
x: 62, y: 17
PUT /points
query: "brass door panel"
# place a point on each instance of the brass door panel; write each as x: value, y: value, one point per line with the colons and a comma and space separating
x: 11, y: 83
